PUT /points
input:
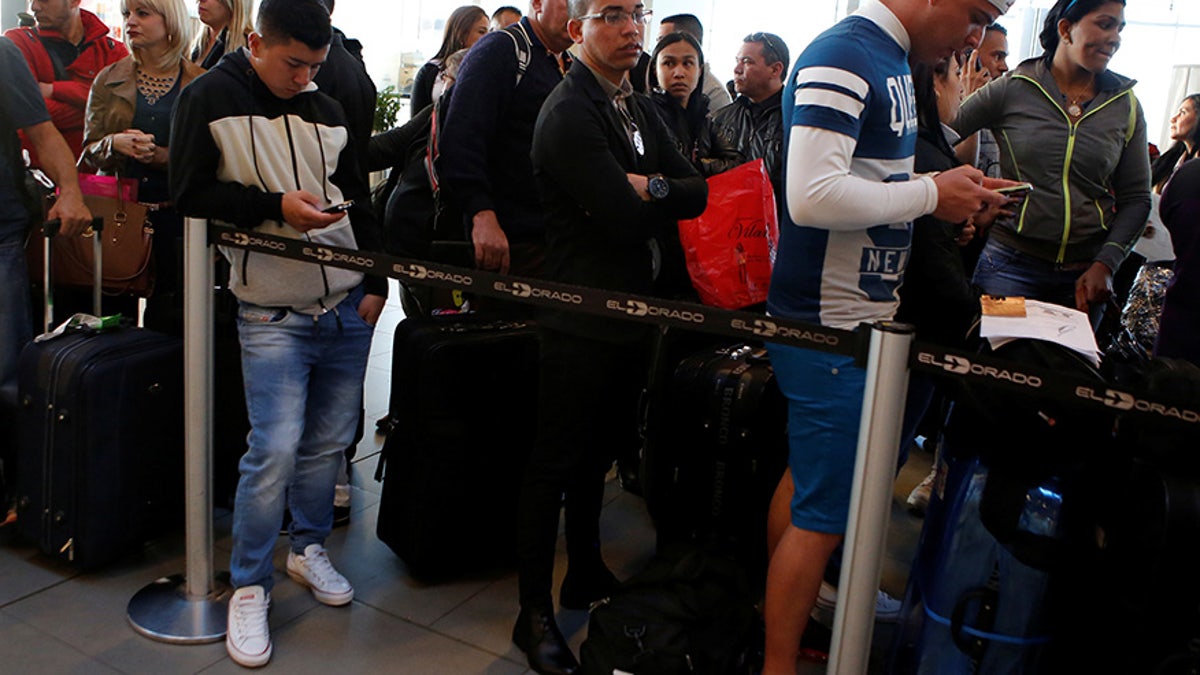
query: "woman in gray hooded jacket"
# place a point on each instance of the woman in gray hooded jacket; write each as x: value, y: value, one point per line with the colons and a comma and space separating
x: 1075, y: 130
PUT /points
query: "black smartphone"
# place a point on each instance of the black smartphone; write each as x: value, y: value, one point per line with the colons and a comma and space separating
x: 339, y: 208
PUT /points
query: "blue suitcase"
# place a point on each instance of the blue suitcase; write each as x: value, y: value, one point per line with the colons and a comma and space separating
x: 973, y: 606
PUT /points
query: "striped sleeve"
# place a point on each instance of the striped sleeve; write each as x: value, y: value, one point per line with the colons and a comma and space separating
x: 831, y: 98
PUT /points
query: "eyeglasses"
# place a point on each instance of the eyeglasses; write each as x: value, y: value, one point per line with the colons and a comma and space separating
x: 617, y: 17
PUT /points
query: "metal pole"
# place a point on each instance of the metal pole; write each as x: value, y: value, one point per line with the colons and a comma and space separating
x: 870, y: 497
x: 191, y: 608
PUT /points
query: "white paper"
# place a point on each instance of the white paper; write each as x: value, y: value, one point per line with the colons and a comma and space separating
x: 1044, y: 321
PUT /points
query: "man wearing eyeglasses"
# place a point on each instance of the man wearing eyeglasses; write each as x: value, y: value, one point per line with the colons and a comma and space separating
x: 611, y: 179
x: 754, y: 121
x: 850, y: 121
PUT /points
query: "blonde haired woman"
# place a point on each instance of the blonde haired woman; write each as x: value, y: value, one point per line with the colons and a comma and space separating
x: 128, y: 120
x: 226, y: 23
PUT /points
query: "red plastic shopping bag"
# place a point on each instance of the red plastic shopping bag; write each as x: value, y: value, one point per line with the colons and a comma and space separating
x: 730, y: 248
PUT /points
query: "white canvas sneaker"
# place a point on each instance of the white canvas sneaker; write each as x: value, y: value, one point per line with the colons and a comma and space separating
x: 314, y: 570
x: 248, y: 637
x: 887, y: 608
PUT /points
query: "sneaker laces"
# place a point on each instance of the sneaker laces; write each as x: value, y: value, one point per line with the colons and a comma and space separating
x: 319, y: 566
x: 250, y: 616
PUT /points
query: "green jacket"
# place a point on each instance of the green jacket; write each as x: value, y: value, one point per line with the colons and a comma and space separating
x: 1091, y: 178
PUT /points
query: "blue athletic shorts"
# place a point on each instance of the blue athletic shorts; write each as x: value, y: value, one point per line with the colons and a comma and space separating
x: 824, y: 393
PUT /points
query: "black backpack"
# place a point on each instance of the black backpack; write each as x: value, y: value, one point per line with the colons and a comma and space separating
x: 687, y: 612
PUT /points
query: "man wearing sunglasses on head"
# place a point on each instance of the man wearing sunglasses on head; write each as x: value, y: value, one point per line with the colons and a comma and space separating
x: 612, y: 181
x: 754, y: 121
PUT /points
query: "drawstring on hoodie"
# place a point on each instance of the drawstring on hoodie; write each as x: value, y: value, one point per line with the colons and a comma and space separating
x: 261, y: 181
x: 324, y: 193
x: 324, y: 175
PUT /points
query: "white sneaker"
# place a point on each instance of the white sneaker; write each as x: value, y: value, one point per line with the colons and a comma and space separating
x: 248, y: 637
x: 887, y: 608
x: 918, y: 499
x: 314, y: 570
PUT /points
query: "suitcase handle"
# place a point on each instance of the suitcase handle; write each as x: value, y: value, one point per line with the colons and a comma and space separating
x: 972, y: 647
x: 50, y: 229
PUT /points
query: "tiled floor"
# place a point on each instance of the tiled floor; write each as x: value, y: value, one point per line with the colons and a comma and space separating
x: 54, y: 619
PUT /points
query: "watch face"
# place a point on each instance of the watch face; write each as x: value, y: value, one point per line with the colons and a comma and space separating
x: 657, y: 187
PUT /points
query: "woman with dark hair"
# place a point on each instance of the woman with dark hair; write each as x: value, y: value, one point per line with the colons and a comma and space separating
x: 464, y: 28
x: 673, y: 80
x: 937, y: 297
x: 1075, y: 130
x: 1185, y: 131
x: 1180, y: 322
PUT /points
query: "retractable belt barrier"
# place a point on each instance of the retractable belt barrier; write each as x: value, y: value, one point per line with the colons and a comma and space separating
x: 924, y: 358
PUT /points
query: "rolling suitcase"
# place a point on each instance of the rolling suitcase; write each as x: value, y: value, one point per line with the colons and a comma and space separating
x: 1007, y: 539
x: 464, y: 408
x: 100, y: 441
x: 715, y: 449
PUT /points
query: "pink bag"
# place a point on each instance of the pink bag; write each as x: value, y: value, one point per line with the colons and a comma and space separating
x: 730, y: 248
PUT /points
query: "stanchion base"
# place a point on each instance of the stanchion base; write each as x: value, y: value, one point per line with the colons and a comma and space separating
x: 163, y: 611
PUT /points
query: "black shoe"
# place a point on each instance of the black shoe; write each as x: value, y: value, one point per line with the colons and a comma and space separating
x: 536, y: 634
x: 579, y: 591
x: 341, y: 515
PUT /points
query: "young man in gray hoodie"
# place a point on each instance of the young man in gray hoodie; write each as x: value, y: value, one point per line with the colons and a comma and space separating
x: 255, y: 145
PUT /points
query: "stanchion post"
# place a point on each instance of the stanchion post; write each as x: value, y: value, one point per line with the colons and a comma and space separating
x: 191, y: 608
x: 870, y: 497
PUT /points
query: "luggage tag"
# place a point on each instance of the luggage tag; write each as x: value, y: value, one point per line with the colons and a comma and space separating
x: 82, y: 322
x: 995, y: 305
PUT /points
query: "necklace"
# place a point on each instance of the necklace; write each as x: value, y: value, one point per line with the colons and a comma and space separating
x: 154, y: 88
x: 1074, y: 109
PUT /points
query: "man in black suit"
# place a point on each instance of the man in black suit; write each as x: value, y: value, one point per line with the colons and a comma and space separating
x: 610, y: 179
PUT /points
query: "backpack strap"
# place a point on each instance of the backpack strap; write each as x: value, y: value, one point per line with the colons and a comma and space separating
x: 524, y: 49
x: 431, y: 148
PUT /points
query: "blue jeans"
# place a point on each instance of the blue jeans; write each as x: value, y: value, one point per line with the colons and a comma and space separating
x: 1003, y: 270
x: 304, y: 379
x: 15, y: 326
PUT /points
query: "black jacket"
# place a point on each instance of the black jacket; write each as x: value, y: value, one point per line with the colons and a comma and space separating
x: 696, y: 137
x: 937, y: 296
x: 597, y: 227
x: 756, y: 129
x: 422, y: 86
x: 345, y: 78
x: 484, y: 163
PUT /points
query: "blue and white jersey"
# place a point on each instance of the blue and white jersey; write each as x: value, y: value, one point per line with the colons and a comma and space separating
x: 853, y: 80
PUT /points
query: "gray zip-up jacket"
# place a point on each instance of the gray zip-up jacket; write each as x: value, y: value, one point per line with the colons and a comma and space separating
x: 1091, y: 177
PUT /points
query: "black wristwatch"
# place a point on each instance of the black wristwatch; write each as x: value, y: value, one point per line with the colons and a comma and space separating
x: 658, y: 187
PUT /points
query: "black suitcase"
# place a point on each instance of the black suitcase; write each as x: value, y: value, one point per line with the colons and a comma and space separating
x: 715, y: 449
x: 464, y: 408
x: 100, y: 441
x: 1148, y: 509
x: 230, y: 421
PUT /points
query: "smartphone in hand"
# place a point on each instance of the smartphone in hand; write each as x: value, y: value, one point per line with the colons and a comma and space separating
x: 1019, y: 190
x: 339, y: 208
